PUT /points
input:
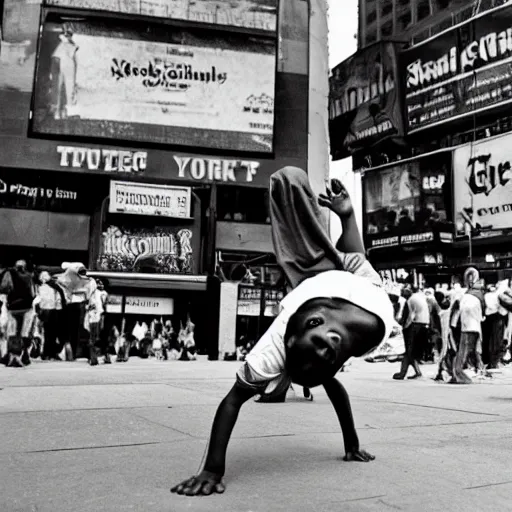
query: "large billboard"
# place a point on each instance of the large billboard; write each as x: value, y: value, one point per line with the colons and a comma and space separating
x: 364, y: 101
x: 461, y: 71
x: 409, y: 203
x: 143, y: 82
x: 483, y: 187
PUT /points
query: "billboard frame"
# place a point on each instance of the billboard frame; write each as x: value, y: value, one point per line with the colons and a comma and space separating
x: 162, y: 22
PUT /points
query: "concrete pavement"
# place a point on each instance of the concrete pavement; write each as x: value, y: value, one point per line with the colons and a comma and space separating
x: 115, y: 438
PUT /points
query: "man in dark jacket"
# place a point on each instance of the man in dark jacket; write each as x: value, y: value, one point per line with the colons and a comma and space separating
x: 18, y: 285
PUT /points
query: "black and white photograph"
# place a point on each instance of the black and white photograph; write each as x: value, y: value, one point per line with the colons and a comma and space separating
x: 255, y: 255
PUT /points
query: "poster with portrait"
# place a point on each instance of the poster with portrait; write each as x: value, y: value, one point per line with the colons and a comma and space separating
x: 148, y: 82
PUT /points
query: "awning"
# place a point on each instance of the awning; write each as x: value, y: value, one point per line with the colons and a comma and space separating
x: 155, y: 281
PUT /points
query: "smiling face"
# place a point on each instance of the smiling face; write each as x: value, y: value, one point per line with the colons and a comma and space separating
x: 323, y: 334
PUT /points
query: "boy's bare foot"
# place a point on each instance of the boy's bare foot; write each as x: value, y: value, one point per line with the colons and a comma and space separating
x: 359, y: 456
x: 204, y: 484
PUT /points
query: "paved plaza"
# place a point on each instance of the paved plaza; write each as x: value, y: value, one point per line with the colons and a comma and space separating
x: 115, y: 438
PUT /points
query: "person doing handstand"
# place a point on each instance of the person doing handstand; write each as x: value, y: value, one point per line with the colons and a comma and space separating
x: 336, y: 309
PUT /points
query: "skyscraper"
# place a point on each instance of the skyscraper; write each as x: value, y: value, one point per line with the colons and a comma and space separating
x: 414, y: 20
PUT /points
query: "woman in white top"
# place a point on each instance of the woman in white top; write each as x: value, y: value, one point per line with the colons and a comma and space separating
x: 471, y: 318
x: 48, y: 304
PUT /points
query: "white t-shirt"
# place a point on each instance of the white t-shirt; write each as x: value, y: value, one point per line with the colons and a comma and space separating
x: 471, y: 314
x: 264, y: 367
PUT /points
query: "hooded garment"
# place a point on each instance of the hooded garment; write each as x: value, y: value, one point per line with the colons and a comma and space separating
x: 302, y: 244
x: 300, y: 238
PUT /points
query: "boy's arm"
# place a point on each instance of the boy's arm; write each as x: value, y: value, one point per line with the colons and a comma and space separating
x: 341, y: 402
x: 209, y: 479
x: 350, y: 239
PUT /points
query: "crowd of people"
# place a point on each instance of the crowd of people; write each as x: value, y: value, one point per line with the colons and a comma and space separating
x: 44, y: 313
x: 468, y: 327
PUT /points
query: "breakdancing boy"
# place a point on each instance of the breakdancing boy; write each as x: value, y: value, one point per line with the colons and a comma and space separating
x: 336, y: 310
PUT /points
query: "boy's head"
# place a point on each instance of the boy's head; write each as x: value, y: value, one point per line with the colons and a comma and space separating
x: 323, y: 334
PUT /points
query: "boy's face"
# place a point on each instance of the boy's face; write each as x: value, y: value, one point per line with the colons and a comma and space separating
x: 326, y: 337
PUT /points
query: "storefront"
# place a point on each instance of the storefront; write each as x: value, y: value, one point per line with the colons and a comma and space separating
x: 147, y: 160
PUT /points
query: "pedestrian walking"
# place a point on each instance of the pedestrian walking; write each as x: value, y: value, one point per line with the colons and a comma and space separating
x: 415, y: 333
x: 493, y: 328
x: 18, y: 285
x: 78, y: 288
x: 471, y: 317
x: 49, y: 305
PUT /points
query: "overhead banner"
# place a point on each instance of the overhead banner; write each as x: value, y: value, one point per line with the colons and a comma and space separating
x: 364, y: 101
x: 235, y: 13
x: 409, y: 203
x: 147, y: 199
x: 482, y: 181
x: 142, y: 82
x: 460, y: 72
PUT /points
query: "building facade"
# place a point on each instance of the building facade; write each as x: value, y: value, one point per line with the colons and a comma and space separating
x: 436, y: 196
x: 413, y: 21
x: 139, y: 138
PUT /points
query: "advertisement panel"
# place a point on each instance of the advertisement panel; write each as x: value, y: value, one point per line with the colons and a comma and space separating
x: 257, y: 14
x: 148, y: 199
x: 158, y: 250
x: 134, y: 81
x: 409, y: 203
x: 460, y: 72
x: 249, y: 301
x: 482, y: 185
x: 365, y: 104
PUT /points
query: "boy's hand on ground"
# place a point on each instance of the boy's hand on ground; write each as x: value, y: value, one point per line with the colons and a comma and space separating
x: 337, y: 199
x: 204, y: 484
x: 359, y: 456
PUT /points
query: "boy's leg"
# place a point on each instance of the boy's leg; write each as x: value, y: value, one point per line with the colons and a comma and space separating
x: 301, y: 241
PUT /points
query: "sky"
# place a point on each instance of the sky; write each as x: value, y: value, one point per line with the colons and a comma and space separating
x: 342, y: 44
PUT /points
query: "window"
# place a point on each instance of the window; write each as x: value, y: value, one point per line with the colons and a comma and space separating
x: 243, y: 204
x: 405, y: 20
x: 387, y: 29
x: 371, y: 37
x: 423, y: 9
x: 404, y: 2
x: 386, y: 8
x: 442, y: 4
x: 371, y: 17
